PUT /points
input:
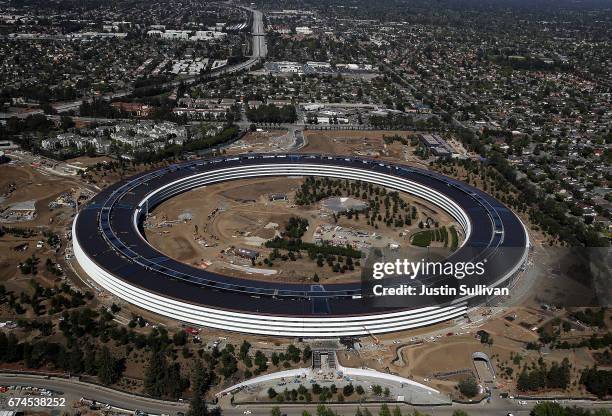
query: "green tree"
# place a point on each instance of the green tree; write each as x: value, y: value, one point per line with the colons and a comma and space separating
x: 261, y: 361
x: 173, y: 381
x: 107, y: 366
x: 384, y: 410
x: 548, y: 409
x: 468, y: 387
x: 202, y: 378
x: 197, y: 407
x: 293, y: 353
x: 244, y: 349
x: 154, y: 374
x: 228, y: 361
x: 75, y: 360
x: 89, y: 364
x: 180, y: 338
x: 306, y: 354
x: 598, y: 382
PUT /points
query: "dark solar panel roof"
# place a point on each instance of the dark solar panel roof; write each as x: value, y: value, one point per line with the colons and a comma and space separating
x: 106, y: 231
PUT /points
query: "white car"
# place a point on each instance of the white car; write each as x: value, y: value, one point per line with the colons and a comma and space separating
x: 246, y: 412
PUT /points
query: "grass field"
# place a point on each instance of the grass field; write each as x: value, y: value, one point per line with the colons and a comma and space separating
x: 426, y: 237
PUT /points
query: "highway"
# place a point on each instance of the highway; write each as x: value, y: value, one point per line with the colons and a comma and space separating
x: 259, y: 47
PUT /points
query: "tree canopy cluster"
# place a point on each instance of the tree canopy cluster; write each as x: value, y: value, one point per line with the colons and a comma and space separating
x: 269, y: 113
x: 397, y: 212
x: 557, y: 376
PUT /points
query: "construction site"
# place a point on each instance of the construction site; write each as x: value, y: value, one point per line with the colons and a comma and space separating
x: 224, y: 228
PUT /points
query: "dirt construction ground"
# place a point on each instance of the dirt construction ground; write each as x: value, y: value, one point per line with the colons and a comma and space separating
x: 358, y: 143
x: 21, y: 182
x: 202, y: 226
x: 240, y: 214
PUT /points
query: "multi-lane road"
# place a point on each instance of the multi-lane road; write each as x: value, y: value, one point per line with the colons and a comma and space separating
x: 259, y: 47
x: 73, y: 390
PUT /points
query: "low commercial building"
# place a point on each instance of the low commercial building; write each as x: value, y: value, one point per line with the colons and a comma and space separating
x: 437, y: 145
x: 201, y: 113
